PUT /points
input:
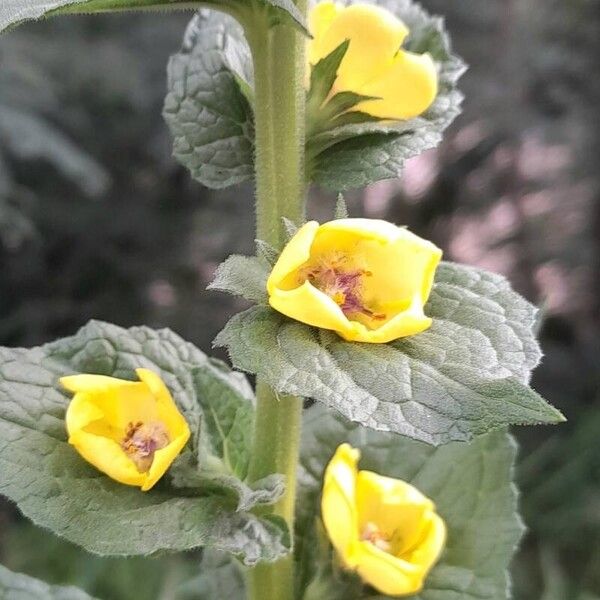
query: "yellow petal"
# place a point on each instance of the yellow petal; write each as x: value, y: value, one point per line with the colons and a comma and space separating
x: 167, y: 410
x: 406, y: 89
x: 338, y: 503
x: 375, y: 36
x: 404, y: 324
x: 399, y: 509
x: 319, y: 20
x: 402, y: 265
x: 386, y: 573
x: 92, y: 383
x: 107, y: 456
x: 375, y: 229
x: 81, y: 412
x: 295, y: 253
x: 429, y: 548
x: 311, y: 306
x: 163, y: 459
x: 121, y: 401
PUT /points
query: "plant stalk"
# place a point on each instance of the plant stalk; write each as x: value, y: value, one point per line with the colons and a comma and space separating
x: 279, y: 108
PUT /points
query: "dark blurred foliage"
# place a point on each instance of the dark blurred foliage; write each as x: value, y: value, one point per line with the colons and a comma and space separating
x: 97, y: 221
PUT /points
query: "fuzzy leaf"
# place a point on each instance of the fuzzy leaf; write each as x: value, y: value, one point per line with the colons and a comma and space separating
x: 209, y: 116
x: 471, y: 485
x: 58, y: 490
x: 16, y: 586
x: 13, y: 12
x: 323, y: 75
x: 356, y: 154
x: 244, y: 276
x: 465, y: 375
x: 220, y: 579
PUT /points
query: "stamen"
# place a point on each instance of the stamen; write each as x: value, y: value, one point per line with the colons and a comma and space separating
x: 343, y: 285
x: 141, y: 441
x: 371, y: 533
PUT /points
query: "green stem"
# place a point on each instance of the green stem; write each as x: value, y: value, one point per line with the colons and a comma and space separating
x: 279, y: 108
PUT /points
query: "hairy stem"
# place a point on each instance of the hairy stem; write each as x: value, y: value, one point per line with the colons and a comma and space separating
x: 279, y: 66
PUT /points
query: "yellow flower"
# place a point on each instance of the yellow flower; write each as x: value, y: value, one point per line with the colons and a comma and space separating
x: 382, y: 528
x: 366, y: 279
x: 374, y: 65
x: 130, y: 430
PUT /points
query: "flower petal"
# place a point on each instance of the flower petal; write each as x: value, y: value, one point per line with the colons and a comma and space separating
x: 401, y: 263
x: 320, y: 18
x: 81, y: 412
x: 107, y: 456
x: 428, y: 550
x: 404, y: 324
x: 338, y: 503
x: 375, y: 36
x: 398, y: 509
x: 167, y: 410
x: 92, y: 383
x: 309, y: 305
x: 406, y: 89
x: 295, y: 254
x: 163, y: 459
x: 386, y: 573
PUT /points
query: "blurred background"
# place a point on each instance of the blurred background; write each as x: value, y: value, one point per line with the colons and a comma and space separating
x: 98, y: 221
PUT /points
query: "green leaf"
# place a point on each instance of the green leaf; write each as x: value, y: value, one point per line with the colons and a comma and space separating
x: 209, y: 116
x: 244, y: 276
x: 357, y: 154
x: 220, y: 579
x: 15, y: 586
x: 283, y: 8
x: 465, y: 375
x: 26, y: 548
x: 13, y: 12
x: 58, y: 490
x: 228, y: 415
x: 267, y: 252
x: 471, y: 485
x: 323, y: 75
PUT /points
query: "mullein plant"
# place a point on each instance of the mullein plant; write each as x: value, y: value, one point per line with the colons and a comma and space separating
x: 133, y: 441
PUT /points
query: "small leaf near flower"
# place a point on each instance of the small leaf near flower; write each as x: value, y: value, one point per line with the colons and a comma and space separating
x: 132, y: 431
x: 366, y: 279
x: 384, y: 529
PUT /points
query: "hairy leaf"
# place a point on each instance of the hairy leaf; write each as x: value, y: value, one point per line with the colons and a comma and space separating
x: 57, y: 489
x: 13, y: 12
x: 465, y: 375
x: 210, y: 118
x: 15, y: 586
x: 471, y: 485
x: 244, y: 276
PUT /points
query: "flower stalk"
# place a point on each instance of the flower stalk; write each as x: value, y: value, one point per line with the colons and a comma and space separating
x: 279, y: 63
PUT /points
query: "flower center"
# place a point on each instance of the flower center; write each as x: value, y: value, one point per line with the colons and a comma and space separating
x: 142, y: 440
x: 371, y: 533
x: 342, y: 284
